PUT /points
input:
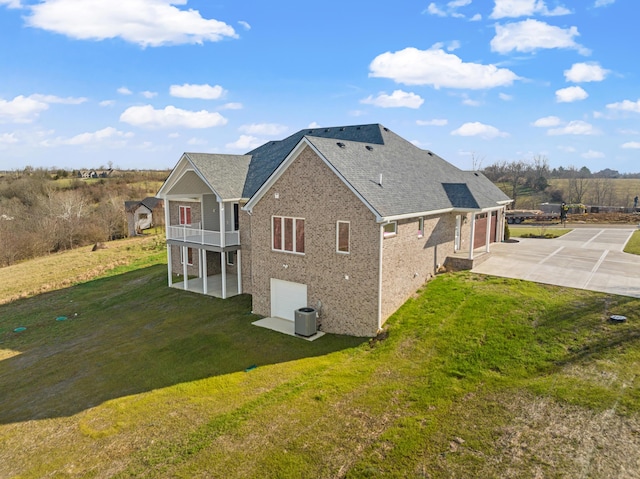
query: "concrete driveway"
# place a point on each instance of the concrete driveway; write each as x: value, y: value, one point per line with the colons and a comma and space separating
x: 585, y: 258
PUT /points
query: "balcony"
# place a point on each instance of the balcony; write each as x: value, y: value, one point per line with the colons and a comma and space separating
x: 194, y: 234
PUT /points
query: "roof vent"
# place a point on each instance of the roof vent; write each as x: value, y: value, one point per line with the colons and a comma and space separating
x: 369, y: 147
x: 342, y: 129
x: 326, y: 130
x: 341, y: 145
x: 357, y: 127
x: 476, y: 174
x: 385, y: 128
x: 429, y: 153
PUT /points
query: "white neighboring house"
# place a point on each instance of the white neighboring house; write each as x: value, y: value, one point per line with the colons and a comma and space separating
x: 145, y: 214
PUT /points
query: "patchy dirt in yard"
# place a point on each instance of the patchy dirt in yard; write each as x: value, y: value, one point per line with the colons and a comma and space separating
x: 546, y: 438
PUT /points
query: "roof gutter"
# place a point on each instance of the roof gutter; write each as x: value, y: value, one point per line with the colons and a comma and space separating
x: 387, y: 219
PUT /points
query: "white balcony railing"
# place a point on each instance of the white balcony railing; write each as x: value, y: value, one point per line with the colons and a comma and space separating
x: 189, y: 234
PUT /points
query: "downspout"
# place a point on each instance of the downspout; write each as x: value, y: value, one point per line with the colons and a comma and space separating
x: 381, y: 237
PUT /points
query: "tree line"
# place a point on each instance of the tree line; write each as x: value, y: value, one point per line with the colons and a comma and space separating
x: 530, y: 182
x: 44, y: 211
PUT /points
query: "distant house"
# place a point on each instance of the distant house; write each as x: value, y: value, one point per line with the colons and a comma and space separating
x: 145, y: 214
x: 348, y: 220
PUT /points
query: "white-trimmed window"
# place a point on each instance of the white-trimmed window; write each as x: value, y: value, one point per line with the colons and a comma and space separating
x: 185, y: 215
x: 390, y: 229
x: 231, y: 258
x: 343, y: 233
x: 287, y: 234
x: 189, y: 256
x: 420, y: 227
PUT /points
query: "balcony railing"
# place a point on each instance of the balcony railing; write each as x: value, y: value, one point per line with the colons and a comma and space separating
x: 189, y: 234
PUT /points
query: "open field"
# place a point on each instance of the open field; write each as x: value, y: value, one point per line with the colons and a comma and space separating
x: 477, y: 377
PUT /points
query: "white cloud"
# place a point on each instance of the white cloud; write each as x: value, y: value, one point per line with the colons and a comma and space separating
x: 547, y: 122
x: 144, y: 22
x: 531, y: 35
x: 633, y: 145
x: 481, y: 130
x: 149, y: 94
x: 505, y: 97
x: 244, y: 143
x: 450, y: 10
x: 437, y: 68
x: 244, y: 25
x: 56, y: 99
x: 8, y: 138
x: 592, y: 155
x: 107, y: 103
x: 398, y: 99
x: 476, y: 18
x: 123, y: 90
x: 585, y: 72
x: 567, y: 149
x: 576, y: 127
x: 265, y: 129
x: 525, y: 8
x: 314, y: 124
x: 470, y: 102
x: 21, y: 109
x: 196, y: 142
x: 434, y: 122
x: 626, y: 105
x: 603, y: 3
x: 11, y: 3
x: 202, y: 92
x: 100, y: 136
x: 170, y: 117
x: 570, y: 94
x: 231, y: 106
x: 433, y: 9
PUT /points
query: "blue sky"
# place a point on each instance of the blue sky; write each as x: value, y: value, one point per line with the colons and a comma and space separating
x: 135, y: 83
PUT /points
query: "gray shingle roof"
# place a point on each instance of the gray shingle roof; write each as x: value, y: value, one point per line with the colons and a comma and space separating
x: 226, y: 174
x: 413, y: 180
x: 266, y: 158
x: 391, y: 174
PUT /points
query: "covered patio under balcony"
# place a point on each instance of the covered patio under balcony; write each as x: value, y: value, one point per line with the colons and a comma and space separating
x: 219, y: 272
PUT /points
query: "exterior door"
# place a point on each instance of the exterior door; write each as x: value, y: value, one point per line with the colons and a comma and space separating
x: 286, y: 297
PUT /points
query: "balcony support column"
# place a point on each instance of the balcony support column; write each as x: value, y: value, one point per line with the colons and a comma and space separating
x: 205, y: 277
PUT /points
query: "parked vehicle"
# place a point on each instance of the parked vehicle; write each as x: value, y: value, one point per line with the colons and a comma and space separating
x: 519, y: 216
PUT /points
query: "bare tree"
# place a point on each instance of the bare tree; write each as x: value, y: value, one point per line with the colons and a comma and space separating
x: 578, y: 184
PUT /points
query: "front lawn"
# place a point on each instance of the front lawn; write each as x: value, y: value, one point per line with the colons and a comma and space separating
x: 537, y: 232
x: 633, y: 245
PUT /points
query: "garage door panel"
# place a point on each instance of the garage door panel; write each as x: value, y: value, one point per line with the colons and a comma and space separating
x: 286, y: 297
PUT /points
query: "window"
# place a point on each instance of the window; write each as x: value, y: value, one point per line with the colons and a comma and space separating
x: 236, y: 217
x: 420, y: 227
x: 231, y: 258
x: 189, y: 256
x: 143, y: 216
x: 288, y: 234
x: 390, y: 229
x: 342, y: 237
x: 185, y: 215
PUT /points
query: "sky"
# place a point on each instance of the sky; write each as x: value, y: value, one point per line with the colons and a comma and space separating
x: 133, y: 84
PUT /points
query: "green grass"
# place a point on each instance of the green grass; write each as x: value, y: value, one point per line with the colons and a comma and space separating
x: 478, y: 377
x: 633, y: 245
x: 537, y: 232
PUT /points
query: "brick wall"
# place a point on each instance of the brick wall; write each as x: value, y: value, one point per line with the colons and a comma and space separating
x: 309, y: 189
x: 408, y: 261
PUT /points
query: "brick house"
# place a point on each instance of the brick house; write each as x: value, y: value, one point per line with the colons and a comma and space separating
x: 348, y: 220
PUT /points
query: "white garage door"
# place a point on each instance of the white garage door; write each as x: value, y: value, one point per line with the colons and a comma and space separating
x: 286, y: 297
